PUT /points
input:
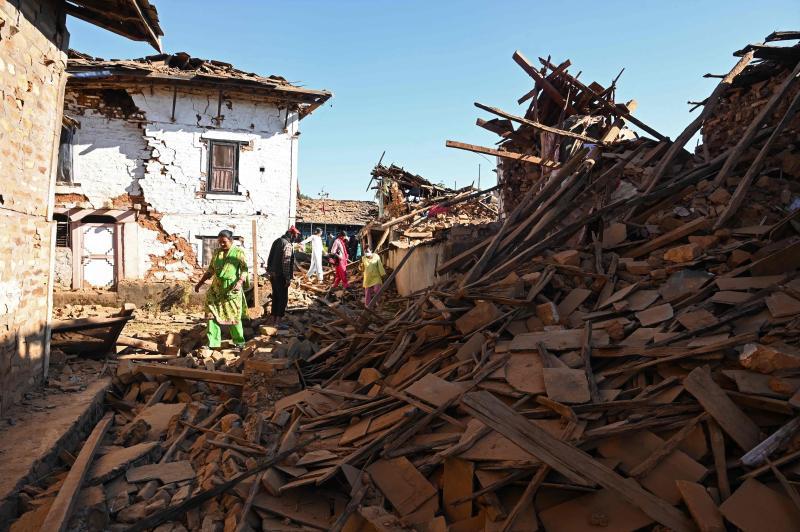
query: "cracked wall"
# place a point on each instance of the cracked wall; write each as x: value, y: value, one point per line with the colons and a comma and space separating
x: 160, y: 155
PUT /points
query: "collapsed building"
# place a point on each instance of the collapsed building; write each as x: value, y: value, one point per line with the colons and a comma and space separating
x: 621, y: 353
x: 160, y: 154
x: 439, y: 222
x: 334, y: 215
x: 33, y: 44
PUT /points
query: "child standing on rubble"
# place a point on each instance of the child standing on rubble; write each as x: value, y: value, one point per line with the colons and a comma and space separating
x: 373, y: 275
x: 225, y: 304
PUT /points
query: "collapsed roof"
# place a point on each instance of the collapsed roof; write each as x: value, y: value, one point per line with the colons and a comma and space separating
x: 336, y: 212
x: 182, y: 68
x: 135, y: 19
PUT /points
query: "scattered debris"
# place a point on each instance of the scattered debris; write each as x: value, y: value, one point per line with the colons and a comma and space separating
x: 559, y: 377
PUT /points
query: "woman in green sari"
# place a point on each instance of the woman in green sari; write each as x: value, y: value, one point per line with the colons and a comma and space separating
x: 225, y: 303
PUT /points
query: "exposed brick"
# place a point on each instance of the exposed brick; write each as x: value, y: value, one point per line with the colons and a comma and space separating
x: 32, y: 62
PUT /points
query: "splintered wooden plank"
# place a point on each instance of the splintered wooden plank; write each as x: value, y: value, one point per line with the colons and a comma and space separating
x: 619, y: 295
x: 601, y: 510
x: 717, y: 403
x: 701, y: 506
x: 655, y: 315
x: 482, y: 314
x: 634, y: 449
x: 730, y: 297
x: 572, y: 301
x: 524, y: 372
x: 784, y: 260
x: 566, y: 385
x: 166, y: 473
x: 746, y: 283
x: 434, y: 390
x: 667, y: 238
x: 61, y: 509
x: 781, y: 305
x: 557, y: 340
x: 217, y: 377
x: 457, y: 484
x: 756, y: 508
x: 532, y: 159
x: 570, y: 461
x: 697, y: 319
x: 641, y: 299
x: 401, y: 483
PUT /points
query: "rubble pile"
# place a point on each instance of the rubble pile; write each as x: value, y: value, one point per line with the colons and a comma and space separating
x: 416, y: 211
x: 621, y: 354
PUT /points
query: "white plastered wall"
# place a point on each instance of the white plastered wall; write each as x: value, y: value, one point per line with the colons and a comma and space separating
x: 166, y: 161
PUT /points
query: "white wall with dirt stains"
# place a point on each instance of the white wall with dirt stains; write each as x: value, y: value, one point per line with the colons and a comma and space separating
x: 164, y: 158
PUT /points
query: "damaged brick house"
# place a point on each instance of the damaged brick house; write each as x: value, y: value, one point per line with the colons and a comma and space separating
x: 164, y: 152
x: 333, y: 215
x: 33, y: 44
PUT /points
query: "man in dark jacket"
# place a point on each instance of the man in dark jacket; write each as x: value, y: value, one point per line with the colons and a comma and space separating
x: 352, y: 247
x: 280, y: 268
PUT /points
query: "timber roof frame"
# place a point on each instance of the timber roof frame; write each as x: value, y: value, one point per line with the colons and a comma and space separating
x: 182, y: 69
x: 135, y: 19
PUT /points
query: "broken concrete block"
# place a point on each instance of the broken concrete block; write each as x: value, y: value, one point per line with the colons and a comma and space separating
x: 547, y: 313
x: 684, y: 253
x: 768, y: 358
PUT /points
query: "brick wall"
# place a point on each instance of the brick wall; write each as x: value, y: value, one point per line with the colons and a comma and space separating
x: 32, y: 40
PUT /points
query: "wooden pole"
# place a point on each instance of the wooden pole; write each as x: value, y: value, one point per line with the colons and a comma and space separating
x: 256, y: 291
x: 58, y: 516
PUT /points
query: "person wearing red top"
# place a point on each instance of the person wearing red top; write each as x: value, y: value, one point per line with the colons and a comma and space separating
x: 339, y: 249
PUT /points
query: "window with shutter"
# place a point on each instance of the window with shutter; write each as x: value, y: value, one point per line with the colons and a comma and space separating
x: 223, y: 163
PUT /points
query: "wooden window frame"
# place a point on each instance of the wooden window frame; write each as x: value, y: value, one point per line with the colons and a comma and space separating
x: 210, y: 167
x: 203, y: 239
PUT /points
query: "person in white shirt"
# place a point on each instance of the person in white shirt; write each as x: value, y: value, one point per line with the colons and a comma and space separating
x: 316, y: 253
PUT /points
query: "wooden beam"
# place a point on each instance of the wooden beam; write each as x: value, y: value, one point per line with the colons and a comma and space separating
x: 537, y: 125
x: 716, y: 402
x: 605, y: 103
x: 256, y: 289
x: 551, y: 91
x: 218, y: 377
x: 59, y: 514
x: 570, y: 461
x: 532, y: 159
x: 147, y: 345
x: 676, y: 234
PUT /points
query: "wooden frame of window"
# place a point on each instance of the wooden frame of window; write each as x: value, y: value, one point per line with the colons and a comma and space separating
x: 223, y: 167
x: 207, y: 246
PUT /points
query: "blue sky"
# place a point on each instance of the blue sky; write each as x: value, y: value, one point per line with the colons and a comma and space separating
x: 405, y: 74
